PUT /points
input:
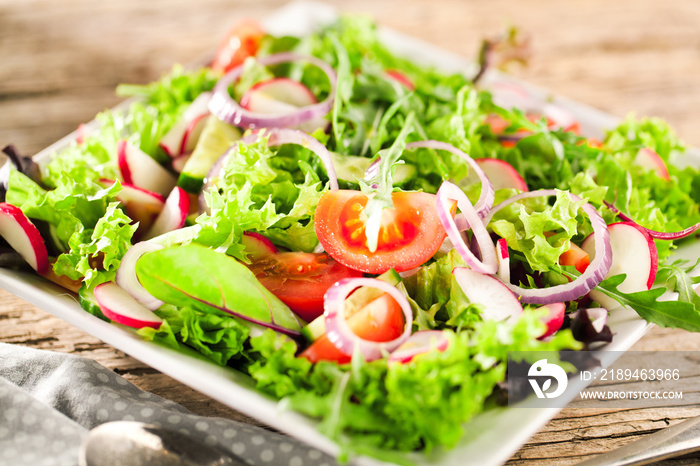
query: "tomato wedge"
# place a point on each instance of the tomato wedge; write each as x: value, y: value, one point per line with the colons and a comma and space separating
x: 380, y: 320
x: 411, y: 232
x: 300, y: 279
x: 240, y: 43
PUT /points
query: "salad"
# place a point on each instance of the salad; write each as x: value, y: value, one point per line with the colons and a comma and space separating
x: 365, y: 237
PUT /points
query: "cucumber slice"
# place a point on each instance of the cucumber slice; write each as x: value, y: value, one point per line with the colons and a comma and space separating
x: 350, y: 168
x: 86, y: 299
x: 216, y: 137
x: 356, y: 301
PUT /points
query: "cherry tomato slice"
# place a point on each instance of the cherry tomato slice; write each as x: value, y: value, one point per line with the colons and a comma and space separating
x: 411, y: 232
x: 300, y: 279
x: 240, y: 43
x: 380, y: 320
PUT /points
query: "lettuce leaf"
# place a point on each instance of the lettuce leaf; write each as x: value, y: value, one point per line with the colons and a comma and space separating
x: 95, y: 254
x: 422, y: 404
x: 274, y: 193
x: 526, y: 232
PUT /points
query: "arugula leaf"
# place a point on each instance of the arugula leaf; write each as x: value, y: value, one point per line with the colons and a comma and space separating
x: 671, y: 314
x: 380, y: 186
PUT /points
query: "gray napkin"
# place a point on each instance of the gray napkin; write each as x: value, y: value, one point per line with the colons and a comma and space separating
x: 49, y: 401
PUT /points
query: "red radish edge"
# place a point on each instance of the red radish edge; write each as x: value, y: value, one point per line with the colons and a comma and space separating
x: 174, y: 214
x: 648, y: 158
x: 257, y: 246
x: 653, y: 253
x: 139, y: 169
x: 404, y: 80
x: 24, y: 237
x: 554, y: 319
x: 119, y: 306
x: 123, y: 164
x: 502, y: 174
x: 191, y: 129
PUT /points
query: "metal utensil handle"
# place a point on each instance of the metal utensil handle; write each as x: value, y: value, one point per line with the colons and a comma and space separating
x: 679, y: 439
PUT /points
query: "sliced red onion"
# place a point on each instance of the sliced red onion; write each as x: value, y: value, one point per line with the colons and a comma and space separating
x: 422, y: 342
x: 653, y: 233
x: 373, y: 169
x: 503, y: 260
x: 446, y: 195
x: 227, y: 109
x: 487, y: 195
x: 126, y: 274
x: 340, y: 334
x: 281, y: 136
x: 594, y: 274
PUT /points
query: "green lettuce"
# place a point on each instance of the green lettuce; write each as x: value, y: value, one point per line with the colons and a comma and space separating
x: 275, y: 193
x: 526, y: 232
x: 95, y: 254
x: 423, y: 404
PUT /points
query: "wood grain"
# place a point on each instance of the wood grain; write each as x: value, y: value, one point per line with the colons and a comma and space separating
x: 62, y: 59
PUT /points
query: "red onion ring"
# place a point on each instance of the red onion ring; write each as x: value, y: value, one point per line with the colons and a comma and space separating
x: 227, y: 109
x: 487, y: 195
x: 594, y: 274
x: 653, y: 233
x: 281, y: 136
x: 448, y: 193
x: 343, y: 337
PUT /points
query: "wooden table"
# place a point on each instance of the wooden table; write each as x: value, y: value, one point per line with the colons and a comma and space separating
x: 61, y: 59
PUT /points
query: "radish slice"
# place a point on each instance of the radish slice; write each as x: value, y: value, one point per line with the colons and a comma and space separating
x: 183, y: 135
x: 173, y: 216
x: 23, y: 237
x: 584, y: 283
x: 282, y: 96
x: 140, y: 204
x: 501, y: 174
x: 118, y: 305
x: 554, y: 319
x: 126, y: 275
x: 139, y: 169
x: 503, y: 260
x: 499, y: 302
x: 653, y: 233
x: 486, y: 197
x: 448, y: 193
x: 257, y: 246
x: 650, y: 160
x: 633, y: 253
x: 180, y: 161
x: 281, y: 136
x: 401, y: 78
x: 422, y: 342
x: 228, y: 110
x: 340, y: 334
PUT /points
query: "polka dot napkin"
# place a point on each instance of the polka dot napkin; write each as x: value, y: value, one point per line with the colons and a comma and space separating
x: 49, y: 401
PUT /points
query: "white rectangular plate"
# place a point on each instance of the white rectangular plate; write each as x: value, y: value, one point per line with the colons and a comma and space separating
x: 490, y: 439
